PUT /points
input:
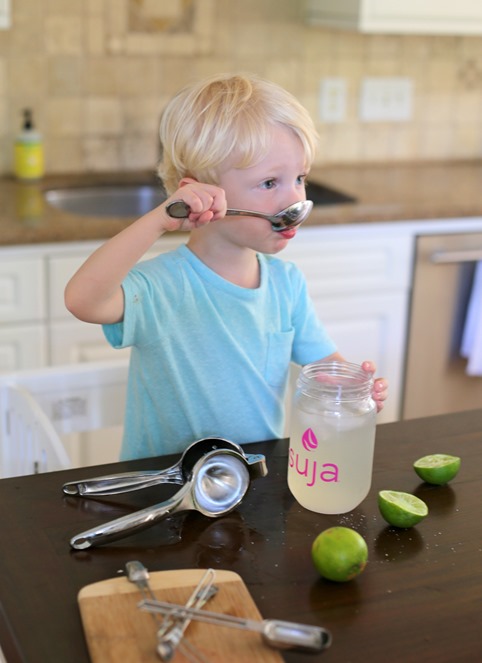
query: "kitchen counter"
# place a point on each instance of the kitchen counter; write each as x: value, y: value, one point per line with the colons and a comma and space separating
x: 417, y: 600
x: 384, y: 193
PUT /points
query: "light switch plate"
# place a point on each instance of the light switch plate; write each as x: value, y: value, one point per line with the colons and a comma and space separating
x: 332, y: 100
x: 5, y: 15
x: 386, y: 99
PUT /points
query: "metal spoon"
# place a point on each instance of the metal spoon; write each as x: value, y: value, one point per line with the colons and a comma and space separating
x: 219, y: 481
x: 288, y: 218
x: 178, y: 473
x: 274, y: 632
x: 171, y: 634
x: 171, y: 630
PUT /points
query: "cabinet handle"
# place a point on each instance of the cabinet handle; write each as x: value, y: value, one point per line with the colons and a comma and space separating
x: 471, y: 255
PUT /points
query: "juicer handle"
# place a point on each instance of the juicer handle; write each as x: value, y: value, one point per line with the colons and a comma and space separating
x: 133, y: 522
x: 114, y: 484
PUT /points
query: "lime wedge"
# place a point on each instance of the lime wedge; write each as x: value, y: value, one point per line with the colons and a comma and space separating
x: 437, y: 468
x: 401, y: 509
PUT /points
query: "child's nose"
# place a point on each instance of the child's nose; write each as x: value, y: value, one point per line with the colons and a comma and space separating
x: 296, y: 194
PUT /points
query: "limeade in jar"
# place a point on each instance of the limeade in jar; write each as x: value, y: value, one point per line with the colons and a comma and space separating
x: 332, y: 437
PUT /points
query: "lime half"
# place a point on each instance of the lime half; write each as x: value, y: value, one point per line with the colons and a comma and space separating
x: 437, y: 468
x: 401, y: 509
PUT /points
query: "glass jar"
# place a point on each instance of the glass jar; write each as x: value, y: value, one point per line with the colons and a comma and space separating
x: 332, y: 437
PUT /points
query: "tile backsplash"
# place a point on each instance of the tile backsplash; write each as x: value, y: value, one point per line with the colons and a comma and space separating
x: 97, y: 74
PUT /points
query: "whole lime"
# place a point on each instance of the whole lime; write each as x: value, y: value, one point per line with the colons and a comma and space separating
x: 339, y: 554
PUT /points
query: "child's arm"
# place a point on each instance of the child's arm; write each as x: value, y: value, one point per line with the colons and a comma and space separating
x: 94, y: 293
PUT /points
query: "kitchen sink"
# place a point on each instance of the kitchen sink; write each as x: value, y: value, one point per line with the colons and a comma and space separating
x: 127, y: 200
x: 124, y: 200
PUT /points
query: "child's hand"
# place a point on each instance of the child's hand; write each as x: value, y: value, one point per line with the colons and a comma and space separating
x: 380, y: 386
x: 206, y: 202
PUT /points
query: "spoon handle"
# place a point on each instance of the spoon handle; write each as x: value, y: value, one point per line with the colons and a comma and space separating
x: 133, y: 522
x: 179, y: 210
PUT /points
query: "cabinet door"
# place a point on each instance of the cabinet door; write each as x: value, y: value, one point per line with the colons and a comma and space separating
x: 371, y: 327
x: 22, y: 347
x: 22, y: 290
x: 398, y: 16
x: 360, y: 287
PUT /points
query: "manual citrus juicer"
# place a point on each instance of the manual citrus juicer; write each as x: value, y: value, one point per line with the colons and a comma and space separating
x: 214, y: 483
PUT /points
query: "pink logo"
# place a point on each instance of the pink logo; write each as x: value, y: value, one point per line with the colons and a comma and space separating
x: 309, y: 441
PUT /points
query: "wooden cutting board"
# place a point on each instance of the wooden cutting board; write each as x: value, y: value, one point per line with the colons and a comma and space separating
x: 117, y: 631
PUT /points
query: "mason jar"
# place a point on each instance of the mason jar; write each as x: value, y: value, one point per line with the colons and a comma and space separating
x: 332, y: 437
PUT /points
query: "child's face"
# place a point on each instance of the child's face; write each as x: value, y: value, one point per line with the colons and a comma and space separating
x: 269, y: 186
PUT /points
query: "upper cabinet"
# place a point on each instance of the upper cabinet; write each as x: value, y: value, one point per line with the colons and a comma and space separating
x: 429, y: 17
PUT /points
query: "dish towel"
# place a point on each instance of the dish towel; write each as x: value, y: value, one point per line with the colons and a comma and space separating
x: 471, y: 347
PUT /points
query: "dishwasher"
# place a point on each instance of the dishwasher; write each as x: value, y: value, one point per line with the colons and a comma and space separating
x: 436, y: 381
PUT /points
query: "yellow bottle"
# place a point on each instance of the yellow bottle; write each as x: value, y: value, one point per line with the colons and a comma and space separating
x: 28, y: 151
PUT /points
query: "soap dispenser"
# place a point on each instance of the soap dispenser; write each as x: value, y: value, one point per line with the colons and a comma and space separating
x: 29, y: 155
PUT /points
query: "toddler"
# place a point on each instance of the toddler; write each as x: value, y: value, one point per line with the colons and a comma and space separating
x: 214, y: 325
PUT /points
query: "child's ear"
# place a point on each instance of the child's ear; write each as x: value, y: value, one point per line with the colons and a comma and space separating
x: 187, y: 180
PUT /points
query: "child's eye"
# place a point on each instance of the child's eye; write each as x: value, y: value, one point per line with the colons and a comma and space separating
x: 301, y: 179
x: 268, y: 184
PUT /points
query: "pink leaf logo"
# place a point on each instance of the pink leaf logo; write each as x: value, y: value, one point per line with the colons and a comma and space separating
x: 309, y: 440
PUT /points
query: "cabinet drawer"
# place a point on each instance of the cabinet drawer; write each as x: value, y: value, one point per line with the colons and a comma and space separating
x: 73, y: 342
x: 62, y: 268
x: 22, y: 290
x: 351, y: 264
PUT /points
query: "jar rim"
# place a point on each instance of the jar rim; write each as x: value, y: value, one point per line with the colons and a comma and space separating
x: 338, y: 380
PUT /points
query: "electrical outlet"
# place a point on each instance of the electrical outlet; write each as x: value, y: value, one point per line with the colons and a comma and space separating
x: 332, y: 100
x: 385, y: 99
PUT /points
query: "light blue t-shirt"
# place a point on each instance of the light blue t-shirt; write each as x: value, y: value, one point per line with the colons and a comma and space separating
x: 210, y: 358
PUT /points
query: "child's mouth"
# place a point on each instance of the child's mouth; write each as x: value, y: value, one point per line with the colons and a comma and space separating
x: 289, y: 233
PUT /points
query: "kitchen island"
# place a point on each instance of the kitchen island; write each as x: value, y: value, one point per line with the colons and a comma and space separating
x: 419, y: 598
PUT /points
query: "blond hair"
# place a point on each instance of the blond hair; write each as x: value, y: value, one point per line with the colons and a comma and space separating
x: 226, y: 116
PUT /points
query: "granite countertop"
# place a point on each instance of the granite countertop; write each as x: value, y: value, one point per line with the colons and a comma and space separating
x: 383, y: 193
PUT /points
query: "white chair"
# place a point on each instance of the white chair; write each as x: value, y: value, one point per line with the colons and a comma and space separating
x: 38, y: 406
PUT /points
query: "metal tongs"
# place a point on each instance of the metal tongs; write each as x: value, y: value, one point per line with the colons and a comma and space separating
x: 179, y: 473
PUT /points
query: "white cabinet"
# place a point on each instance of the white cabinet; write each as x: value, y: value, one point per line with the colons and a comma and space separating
x: 398, y: 16
x: 69, y: 340
x: 22, y: 346
x: 23, y: 341
x: 360, y: 287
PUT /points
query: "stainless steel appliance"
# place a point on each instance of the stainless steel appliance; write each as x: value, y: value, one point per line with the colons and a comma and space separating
x: 435, y: 380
